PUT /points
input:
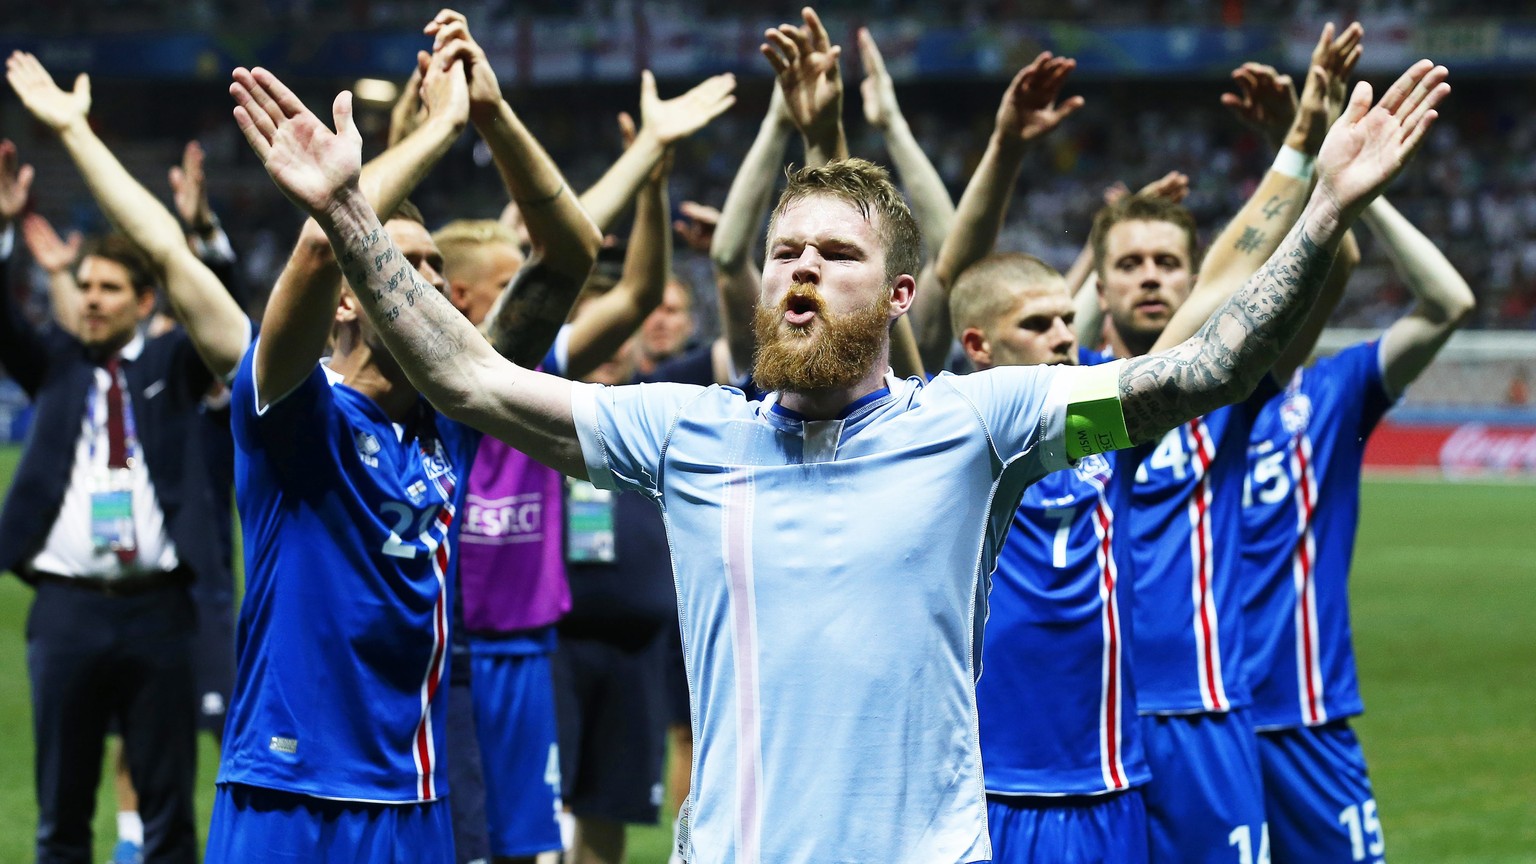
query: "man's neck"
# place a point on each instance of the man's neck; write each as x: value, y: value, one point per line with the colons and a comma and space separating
x: 1123, y: 348
x: 828, y: 404
x: 383, y: 382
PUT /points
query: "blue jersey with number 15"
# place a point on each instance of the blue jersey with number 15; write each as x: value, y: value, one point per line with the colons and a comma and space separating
x: 1301, y: 508
x: 349, y: 531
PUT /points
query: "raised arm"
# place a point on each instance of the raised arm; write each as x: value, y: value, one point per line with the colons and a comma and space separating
x: 737, y: 270
x: 22, y: 356
x: 663, y: 123
x: 1028, y: 111
x: 931, y: 205
x: 439, y: 350
x: 806, y: 63
x: 603, y: 324
x: 523, y: 322
x: 57, y: 257
x: 1227, y: 357
x: 1256, y: 231
x: 1442, y: 298
x: 302, y: 307
x: 214, y: 321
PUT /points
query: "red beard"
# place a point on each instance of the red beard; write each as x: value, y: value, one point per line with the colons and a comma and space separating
x: 830, y: 352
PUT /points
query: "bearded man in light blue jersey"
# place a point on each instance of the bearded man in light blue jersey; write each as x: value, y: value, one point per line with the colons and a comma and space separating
x: 830, y: 643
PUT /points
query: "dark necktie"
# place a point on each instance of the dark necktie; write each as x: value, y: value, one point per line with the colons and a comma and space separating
x: 117, y: 438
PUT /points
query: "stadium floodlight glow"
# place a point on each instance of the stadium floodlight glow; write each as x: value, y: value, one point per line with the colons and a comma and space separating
x: 375, y: 90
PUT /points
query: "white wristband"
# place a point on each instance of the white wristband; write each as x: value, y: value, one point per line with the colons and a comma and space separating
x: 1292, y: 163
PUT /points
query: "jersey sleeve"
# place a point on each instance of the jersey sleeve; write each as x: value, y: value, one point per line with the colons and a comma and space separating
x: 623, y: 431
x: 284, y: 429
x: 1358, y: 369
x: 1024, y: 409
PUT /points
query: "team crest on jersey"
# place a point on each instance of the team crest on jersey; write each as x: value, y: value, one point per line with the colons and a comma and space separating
x: 1296, y: 412
x: 368, y: 448
x: 1092, y: 467
x: 439, y: 469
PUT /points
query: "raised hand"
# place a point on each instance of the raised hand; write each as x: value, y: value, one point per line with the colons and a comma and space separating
x: 311, y: 164
x: 1265, y: 99
x: 877, y: 91
x: 1029, y: 108
x: 806, y: 62
x: 406, y: 114
x: 1338, y: 59
x: 671, y: 120
x: 445, y: 89
x: 1369, y: 145
x: 449, y: 30
x: 15, y: 183
x: 54, y: 107
x: 51, y: 253
x: 189, y: 188
x: 697, y: 227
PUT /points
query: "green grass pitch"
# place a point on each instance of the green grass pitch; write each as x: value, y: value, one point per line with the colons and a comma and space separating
x: 1445, y: 601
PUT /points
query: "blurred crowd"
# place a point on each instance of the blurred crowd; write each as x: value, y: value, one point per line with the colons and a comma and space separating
x: 1475, y: 189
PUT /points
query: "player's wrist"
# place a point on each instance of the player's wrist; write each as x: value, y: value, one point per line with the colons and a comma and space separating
x: 1293, y: 162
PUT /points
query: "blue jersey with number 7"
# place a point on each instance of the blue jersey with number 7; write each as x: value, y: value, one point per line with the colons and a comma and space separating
x: 349, y: 528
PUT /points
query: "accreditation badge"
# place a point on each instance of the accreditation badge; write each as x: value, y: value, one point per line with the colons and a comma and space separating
x: 112, y: 513
x: 588, y: 523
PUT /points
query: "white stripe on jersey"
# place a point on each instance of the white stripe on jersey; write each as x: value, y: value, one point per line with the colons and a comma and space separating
x: 737, y: 536
x: 1207, y: 629
x: 1111, y: 691
x: 423, y: 751
x: 1309, y: 669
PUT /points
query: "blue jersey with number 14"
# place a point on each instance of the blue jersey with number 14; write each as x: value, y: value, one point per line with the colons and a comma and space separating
x: 349, y: 531
x: 1301, y: 508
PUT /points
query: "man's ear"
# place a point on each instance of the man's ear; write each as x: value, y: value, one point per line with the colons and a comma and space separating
x: 902, y: 293
x: 347, y: 309
x: 458, y: 295
x: 977, y: 348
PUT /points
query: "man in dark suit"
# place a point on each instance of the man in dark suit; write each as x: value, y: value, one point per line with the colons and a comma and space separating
x: 111, y: 509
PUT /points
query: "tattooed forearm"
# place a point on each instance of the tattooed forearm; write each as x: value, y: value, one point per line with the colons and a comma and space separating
x: 527, y: 315
x: 430, y: 340
x: 1225, y: 360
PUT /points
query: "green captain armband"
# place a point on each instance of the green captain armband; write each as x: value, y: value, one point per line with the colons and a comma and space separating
x: 1095, y: 422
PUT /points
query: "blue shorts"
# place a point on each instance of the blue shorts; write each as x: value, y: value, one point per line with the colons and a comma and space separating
x: 1318, y: 796
x: 1073, y: 829
x: 255, y: 824
x: 514, y: 696
x: 1205, y: 802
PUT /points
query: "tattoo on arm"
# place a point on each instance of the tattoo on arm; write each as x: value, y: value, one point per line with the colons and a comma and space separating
x: 1274, y: 207
x: 1251, y: 239
x: 365, y: 271
x: 529, y: 313
x: 1225, y: 360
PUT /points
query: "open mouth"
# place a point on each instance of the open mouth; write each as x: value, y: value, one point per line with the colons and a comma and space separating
x: 801, y: 308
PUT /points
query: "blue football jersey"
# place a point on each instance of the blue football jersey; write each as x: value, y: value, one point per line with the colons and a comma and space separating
x: 1055, y: 700
x: 1301, y: 508
x: 349, y: 531
x: 1178, y: 501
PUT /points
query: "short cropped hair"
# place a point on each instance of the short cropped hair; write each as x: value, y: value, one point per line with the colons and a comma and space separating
x: 120, y: 250
x: 1144, y: 208
x: 461, y: 240
x: 867, y: 187
x: 986, y: 290
x: 409, y: 212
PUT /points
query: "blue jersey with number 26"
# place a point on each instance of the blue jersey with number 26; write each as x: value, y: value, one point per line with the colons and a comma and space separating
x: 349, y: 531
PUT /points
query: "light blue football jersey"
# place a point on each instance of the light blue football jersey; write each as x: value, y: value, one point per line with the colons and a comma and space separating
x: 1301, y: 509
x: 348, y: 522
x: 830, y: 579
x: 1056, y: 699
